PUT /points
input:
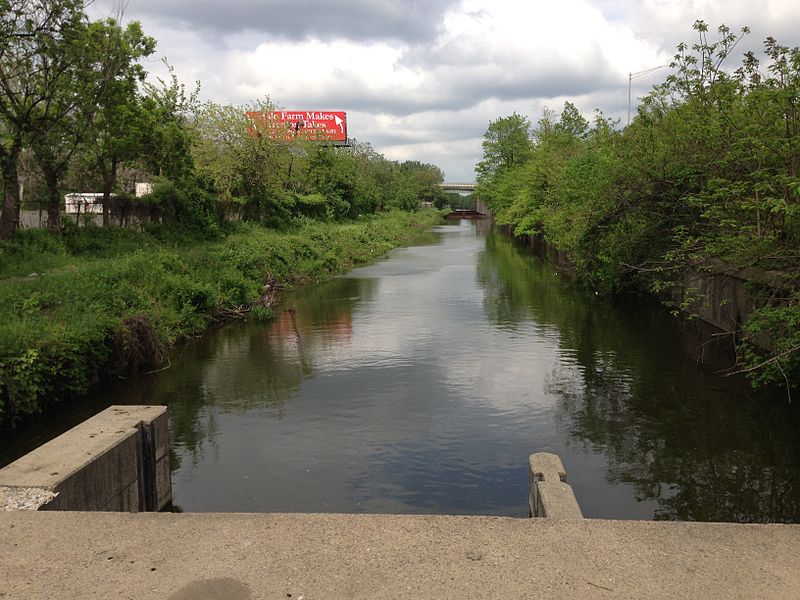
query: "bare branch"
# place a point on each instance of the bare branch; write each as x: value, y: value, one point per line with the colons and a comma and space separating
x: 769, y: 361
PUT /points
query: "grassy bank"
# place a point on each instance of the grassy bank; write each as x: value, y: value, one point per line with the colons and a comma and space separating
x: 98, y: 302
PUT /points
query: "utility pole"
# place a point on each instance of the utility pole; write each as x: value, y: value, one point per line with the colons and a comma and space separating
x: 632, y: 76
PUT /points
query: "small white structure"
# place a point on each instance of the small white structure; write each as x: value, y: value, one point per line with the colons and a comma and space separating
x: 91, y: 203
x: 142, y: 189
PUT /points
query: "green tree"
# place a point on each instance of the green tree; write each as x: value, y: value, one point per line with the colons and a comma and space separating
x: 118, y: 130
x: 11, y: 124
x: 706, y: 179
x: 10, y: 148
x: 39, y: 70
x: 416, y: 182
x: 370, y: 166
x: 219, y: 148
x: 241, y: 163
x: 334, y: 174
x: 169, y: 109
x: 572, y: 123
x: 506, y: 144
x: 59, y: 72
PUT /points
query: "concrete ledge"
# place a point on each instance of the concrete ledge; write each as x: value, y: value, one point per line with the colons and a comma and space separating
x: 550, y: 495
x: 166, y: 556
x: 116, y: 461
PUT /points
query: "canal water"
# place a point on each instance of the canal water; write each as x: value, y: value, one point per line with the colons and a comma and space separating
x: 421, y: 383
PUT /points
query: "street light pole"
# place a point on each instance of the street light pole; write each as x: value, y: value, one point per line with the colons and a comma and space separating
x: 632, y: 76
x: 630, y: 79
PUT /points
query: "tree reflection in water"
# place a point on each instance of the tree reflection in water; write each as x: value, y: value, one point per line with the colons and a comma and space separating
x: 703, y: 447
x: 253, y: 367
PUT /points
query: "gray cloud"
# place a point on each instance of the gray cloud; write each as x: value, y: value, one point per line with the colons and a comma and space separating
x: 461, y: 91
x: 409, y: 21
x: 443, y: 132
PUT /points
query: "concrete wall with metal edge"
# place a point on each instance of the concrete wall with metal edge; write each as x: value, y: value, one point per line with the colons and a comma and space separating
x: 116, y: 461
x: 550, y: 495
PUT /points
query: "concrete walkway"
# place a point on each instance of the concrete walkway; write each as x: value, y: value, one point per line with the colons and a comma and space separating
x: 66, y: 555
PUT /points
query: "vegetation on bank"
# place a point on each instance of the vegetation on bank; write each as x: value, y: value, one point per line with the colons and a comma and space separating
x: 705, y: 179
x: 96, y: 302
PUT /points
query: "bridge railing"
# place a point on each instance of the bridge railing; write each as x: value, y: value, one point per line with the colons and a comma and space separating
x: 458, y: 186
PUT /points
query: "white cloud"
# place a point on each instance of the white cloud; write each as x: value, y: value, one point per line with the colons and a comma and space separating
x: 668, y: 22
x: 428, y: 92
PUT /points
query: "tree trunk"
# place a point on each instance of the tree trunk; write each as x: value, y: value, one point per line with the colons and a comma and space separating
x: 53, y: 201
x: 9, y: 219
x: 106, y: 198
x: 109, y: 180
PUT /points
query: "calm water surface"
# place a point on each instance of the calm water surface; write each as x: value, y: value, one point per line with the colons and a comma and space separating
x: 421, y: 384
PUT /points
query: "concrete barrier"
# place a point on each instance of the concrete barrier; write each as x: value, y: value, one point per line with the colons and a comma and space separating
x: 550, y: 495
x: 116, y: 461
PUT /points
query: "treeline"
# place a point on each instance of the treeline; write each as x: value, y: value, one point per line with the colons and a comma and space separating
x: 705, y: 179
x: 78, y: 114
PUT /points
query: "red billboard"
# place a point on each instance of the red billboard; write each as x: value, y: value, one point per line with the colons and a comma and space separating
x: 315, y: 125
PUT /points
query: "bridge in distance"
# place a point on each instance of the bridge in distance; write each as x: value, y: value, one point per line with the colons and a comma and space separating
x: 458, y: 187
x: 480, y: 211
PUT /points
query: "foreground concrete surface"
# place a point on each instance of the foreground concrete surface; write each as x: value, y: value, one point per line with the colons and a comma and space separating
x: 253, y: 556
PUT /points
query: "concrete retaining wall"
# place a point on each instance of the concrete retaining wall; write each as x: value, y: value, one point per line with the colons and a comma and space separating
x: 718, y: 295
x: 724, y: 297
x: 116, y: 461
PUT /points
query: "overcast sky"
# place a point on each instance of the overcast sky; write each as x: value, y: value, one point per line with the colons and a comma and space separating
x: 421, y: 80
